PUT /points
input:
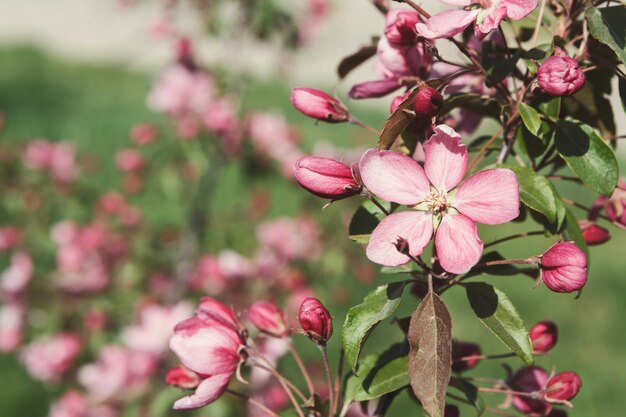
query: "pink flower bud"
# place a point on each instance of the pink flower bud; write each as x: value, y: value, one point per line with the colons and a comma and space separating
x: 529, y: 379
x: 325, y: 177
x: 143, y: 134
x: 563, y: 386
x: 397, y: 100
x: 592, y: 233
x: 268, y: 318
x: 427, y: 102
x: 319, y: 105
x: 564, y: 267
x: 315, y: 320
x: 129, y: 160
x: 560, y: 75
x: 543, y: 336
x: 373, y: 89
x: 400, y: 26
x: 464, y: 356
x: 181, y: 377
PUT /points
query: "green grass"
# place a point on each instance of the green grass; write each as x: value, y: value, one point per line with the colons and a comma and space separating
x: 95, y: 107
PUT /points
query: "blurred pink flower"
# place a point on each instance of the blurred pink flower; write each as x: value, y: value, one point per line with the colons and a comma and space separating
x: 291, y: 238
x: 129, y: 160
x: 10, y: 237
x: 220, y: 116
x: 11, y: 323
x: 16, y: 277
x: 180, y: 91
x: 75, y: 404
x: 143, y: 134
x: 47, y: 359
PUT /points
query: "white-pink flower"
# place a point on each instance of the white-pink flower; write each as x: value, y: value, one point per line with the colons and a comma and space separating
x: 47, y: 359
x: 442, y: 207
x: 485, y: 14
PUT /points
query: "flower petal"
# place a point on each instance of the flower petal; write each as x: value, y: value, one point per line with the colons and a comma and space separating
x: 458, y: 2
x: 457, y: 242
x: 372, y: 89
x: 446, y: 158
x: 208, y: 391
x: 446, y: 24
x: 393, y: 176
x: 489, y: 20
x: 414, y: 226
x: 518, y: 9
x: 489, y: 197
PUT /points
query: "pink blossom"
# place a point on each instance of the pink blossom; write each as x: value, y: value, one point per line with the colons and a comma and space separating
x: 47, y: 359
x: 117, y: 374
x: 154, y: 327
x: 315, y: 320
x: 179, y: 91
x: 181, y: 377
x: 563, y: 386
x: 209, y: 345
x: 234, y: 266
x: 592, y: 233
x: 207, y: 275
x: 143, y: 134
x: 465, y: 355
x: 16, y: 277
x: 485, y: 14
x: 427, y: 102
x: 325, y: 177
x: 530, y: 379
x: 268, y: 318
x: 442, y: 207
x: 614, y: 206
x: 290, y: 238
x: 10, y: 237
x: 319, y: 105
x: 129, y: 160
x: 564, y: 267
x: 400, y: 26
x: 63, y: 164
x: 272, y: 136
x: 543, y: 336
x: 75, y: 404
x: 220, y: 117
x: 38, y: 154
x: 11, y: 323
x: 560, y: 75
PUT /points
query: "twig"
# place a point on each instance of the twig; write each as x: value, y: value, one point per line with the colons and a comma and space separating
x: 253, y: 402
x: 533, y: 40
x: 305, y: 373
x: 515, y: 236
x: 329, y: 378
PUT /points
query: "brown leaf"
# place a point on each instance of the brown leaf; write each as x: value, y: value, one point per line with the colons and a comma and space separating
x: 397, y: 122
x: 354, y: 60
x: 430, y: 360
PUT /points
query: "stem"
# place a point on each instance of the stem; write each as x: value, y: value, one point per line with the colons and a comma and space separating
x: 476, y: 160
x: 338, y: 382
x: 253, y: 402
x: 417, y: 8
x: 507, y: 391
x: 329, y: 378
x: 359, y: 123
x: 600, y: 215
x: 533, y: 40
x: 377, y: 204
x: 305, y: 373
x: 530, y: 261
x: 563, y: 178
x: 282, y: 380
x: 511, y: 237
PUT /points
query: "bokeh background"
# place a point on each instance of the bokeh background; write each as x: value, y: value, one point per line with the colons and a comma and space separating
x: 80, y: 71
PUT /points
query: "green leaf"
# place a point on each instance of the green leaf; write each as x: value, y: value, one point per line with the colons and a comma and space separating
x: 571, y: 231
x: 622, y: 92
x: 530, y: 145
x: 607, y: 26
x: 430, y: 353
x: 378, y: 305
x: 354, y: 383
x: 389, y: 377
x: 590, y: 104
x: 365, y: 220
x: 587, y: 155
x: 530, y: 117
x: 551, y: 107
x: 471, y: 101
x: 497, y: 313
x: 470, y: 391
x: 539, y: 194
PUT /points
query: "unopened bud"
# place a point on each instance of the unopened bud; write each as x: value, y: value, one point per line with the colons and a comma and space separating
x: 181, y: 377
x: 563, y: 386
x: 465, y: 356
x: 427, y: 102
x: 325, y: 177
x: 564, y: 267
x: 560, y: 75
x: 543, y: 336
x: 529, y: 379
x: 268, y: 318
x: 592, y: 233
x: 319, y: 105
x: 315, y: 320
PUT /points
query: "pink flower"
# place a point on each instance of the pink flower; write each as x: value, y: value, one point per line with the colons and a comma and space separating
x: 181, y: 377
x: 485, y: 14
x: 325, y: 177
x: 563, y: 386
x: 10, y: 237
x: 560, y: 75
x: 38, y: 154
x: 129, y: 160
x: 442, y: 207
x: 180, y: 91
x: 592, y: 233
x: 614, y: 206
x: 427, y: 102
x: 16, y: 277
x: 48, y: 359
x: 530, y: 379
x: 543, y: 336
x: 75, y: 404
x: 63, y: 164
x: 564, y: 267
x: 315, y: 320
x: 11, y: 322
x: 220, y: 117
x: 143, y: 134
x: 268, y: 318
x: 208, y: 344
x: 319, y: 105
x: 400, y: 26
x: 465, y: 356
x: 289, y: 238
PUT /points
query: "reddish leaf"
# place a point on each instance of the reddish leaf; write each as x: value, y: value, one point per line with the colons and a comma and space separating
x: 397, y: 122
x: 430, y: 360
x: 354, y: 60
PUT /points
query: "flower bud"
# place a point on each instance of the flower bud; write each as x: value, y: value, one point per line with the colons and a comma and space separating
x: 592, y: 233
x: 427, y: 102
x: 400, y: 26
x: 181, y: 377
x: 464, y: 356
x: 268, y: 318
x: 564, y: 267
x: 325, y: 177
x: 319, y: 105
x: 529, y: 379
x: 560, y: 75
x: 563, y: 386
x: 543, y: 336
x: 315, y: 320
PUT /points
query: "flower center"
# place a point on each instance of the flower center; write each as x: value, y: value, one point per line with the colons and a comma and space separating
x: 436, y: 202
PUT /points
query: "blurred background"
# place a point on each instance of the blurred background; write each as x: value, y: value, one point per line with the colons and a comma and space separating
x: 87, y: 75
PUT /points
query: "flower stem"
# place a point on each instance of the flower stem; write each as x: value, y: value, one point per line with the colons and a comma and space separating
x: 359, y: 123
x: 253, y: 402
x: 515, y: 236
x: 305, y: 373
x: 329, y: 378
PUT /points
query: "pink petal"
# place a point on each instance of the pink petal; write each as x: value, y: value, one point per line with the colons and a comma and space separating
x: 518, y: 9
x: 414, y: 226
x: 393, y: 176
x: 446, y: 158
x: 446, y: 24
x: 489, y: 197
x: 458, y: 2
x: 208, y: 391
x: 457, y: 242
x: 372, y: 89
x: 490, y: 21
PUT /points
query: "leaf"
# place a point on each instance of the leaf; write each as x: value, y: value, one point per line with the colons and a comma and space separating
x: 530, y: 117
x: 607, y: 26
x: 365, y: 220
x: 497, y: 313
x: 430, y: 347
x: 470, y: 391
x: 397, y: 122
x: 587, y: 155
x: 622, y: 92
x: 361, y: 319
x: 591, y: 106
x: 482, y: 105
x: 571, y: 231
x: 354, y: 383
x: 551, y: 108
x: 384, y: 379
x: 530, y: 145
x: 538, y: 193
x: 352, y: 61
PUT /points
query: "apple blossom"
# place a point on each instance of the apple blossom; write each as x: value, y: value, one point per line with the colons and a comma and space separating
x: 564, y: 267
x: 465, y: 356
x: 315, y: 320
x: 563, y: 386
x: 325, y: 177
x: 319, y: 105
x: 560, y: 75
x: 592, y: 233
x: 268, y: 318
x: 47, y: 359
x: 543, y: 336
x: 530, y: 379
x: 427, y: 102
